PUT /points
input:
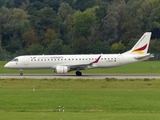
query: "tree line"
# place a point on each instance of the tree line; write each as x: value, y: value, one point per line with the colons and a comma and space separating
x: 77, y: 26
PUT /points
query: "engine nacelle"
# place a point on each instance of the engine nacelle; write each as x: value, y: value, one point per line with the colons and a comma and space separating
x: 61, y: 69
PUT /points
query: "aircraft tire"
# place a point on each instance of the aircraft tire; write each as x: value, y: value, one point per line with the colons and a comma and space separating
x: 21, y: 74
x: 78, y: 73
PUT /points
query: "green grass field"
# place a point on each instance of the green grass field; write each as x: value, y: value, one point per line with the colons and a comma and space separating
x: 108, y: 99
x: 135, y: 68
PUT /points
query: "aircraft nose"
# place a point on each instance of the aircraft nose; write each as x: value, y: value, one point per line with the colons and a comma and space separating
x: 6, y: 65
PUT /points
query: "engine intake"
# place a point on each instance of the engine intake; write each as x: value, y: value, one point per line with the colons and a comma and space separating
x: 62, y: 69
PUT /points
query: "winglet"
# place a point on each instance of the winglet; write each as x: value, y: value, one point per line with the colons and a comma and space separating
x: 96, y: 61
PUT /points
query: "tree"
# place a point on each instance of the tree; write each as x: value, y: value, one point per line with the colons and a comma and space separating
x: 155, y: 19
x: 83, y: 23
x: 55, y: 47
x: 36, y: 6
x: 111, y: 23
x: 42, y: 20
x: 101, y: 12
x: 14, y: 45
x: 154, y: 46
x: 118, y: 47
x: 29, y: 37
x: 82, y: 5
x: 65, y: 11
x: 66, y: 49
x: 6, y: 24
x: 49, y: 37
x: 21, y: 17
x: 13, y: 22
x: 35, y: 49
x: 100, y: 47
x: 81, y: 46
x: 65, y: 25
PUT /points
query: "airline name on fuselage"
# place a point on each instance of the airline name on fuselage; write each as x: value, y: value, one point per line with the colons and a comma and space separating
x: 45, y: 57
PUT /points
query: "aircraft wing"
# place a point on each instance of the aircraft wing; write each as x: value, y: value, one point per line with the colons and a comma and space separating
x: 145, y: 57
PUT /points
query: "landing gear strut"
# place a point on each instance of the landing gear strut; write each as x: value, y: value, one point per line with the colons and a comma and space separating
x: 78, y: 73
x: 21, y: 72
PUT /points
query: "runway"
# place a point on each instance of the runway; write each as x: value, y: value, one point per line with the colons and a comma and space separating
x: 85, y: 76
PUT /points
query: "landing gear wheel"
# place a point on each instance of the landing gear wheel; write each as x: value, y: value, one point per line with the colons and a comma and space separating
x: 21, y: 72
x: 78, y: 73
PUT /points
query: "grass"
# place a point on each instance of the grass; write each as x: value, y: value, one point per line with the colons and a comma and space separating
x: 147, y: 67
x: 108, y: 99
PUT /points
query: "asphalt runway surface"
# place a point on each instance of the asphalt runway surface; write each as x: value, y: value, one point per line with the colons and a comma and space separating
x: 85, y: 76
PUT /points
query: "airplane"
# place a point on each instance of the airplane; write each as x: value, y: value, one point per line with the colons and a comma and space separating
x: 63, y: 64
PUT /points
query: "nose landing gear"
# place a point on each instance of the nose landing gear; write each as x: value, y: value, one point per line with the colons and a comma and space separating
x: 21, y: 72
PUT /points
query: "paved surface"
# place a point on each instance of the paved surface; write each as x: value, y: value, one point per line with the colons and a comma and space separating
x: 85, y: 76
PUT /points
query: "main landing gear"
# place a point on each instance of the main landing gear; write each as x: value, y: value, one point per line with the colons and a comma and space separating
x: 78, y: 73
x: 21, y: 72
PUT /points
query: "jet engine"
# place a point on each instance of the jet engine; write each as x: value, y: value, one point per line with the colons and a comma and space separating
x: 62, y: 69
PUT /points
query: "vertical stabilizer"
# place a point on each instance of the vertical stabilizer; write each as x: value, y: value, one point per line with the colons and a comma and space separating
x: 141, y: 47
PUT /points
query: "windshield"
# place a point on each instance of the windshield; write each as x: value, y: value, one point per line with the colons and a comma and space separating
x: 15, y: 60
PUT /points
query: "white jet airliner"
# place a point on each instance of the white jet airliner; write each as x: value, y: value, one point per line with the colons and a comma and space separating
x: 62, y: 64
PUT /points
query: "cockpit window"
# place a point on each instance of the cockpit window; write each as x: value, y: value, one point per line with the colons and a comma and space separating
x: 15, y: 60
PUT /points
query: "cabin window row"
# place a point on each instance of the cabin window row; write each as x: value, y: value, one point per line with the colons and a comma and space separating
x: 72, y: 59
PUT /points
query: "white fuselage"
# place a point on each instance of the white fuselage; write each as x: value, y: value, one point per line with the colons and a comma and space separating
x: 51, y: 61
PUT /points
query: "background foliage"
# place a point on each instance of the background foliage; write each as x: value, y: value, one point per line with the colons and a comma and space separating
x: 76, y: 26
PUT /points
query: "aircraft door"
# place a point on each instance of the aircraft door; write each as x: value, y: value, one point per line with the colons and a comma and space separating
x: 120, y: 58
x: 26, y: 59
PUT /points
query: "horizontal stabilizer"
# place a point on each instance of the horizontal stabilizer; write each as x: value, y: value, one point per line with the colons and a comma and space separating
x: 145, y: 57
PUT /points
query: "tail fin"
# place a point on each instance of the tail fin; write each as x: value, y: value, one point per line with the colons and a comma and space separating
x: 141, y: 47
